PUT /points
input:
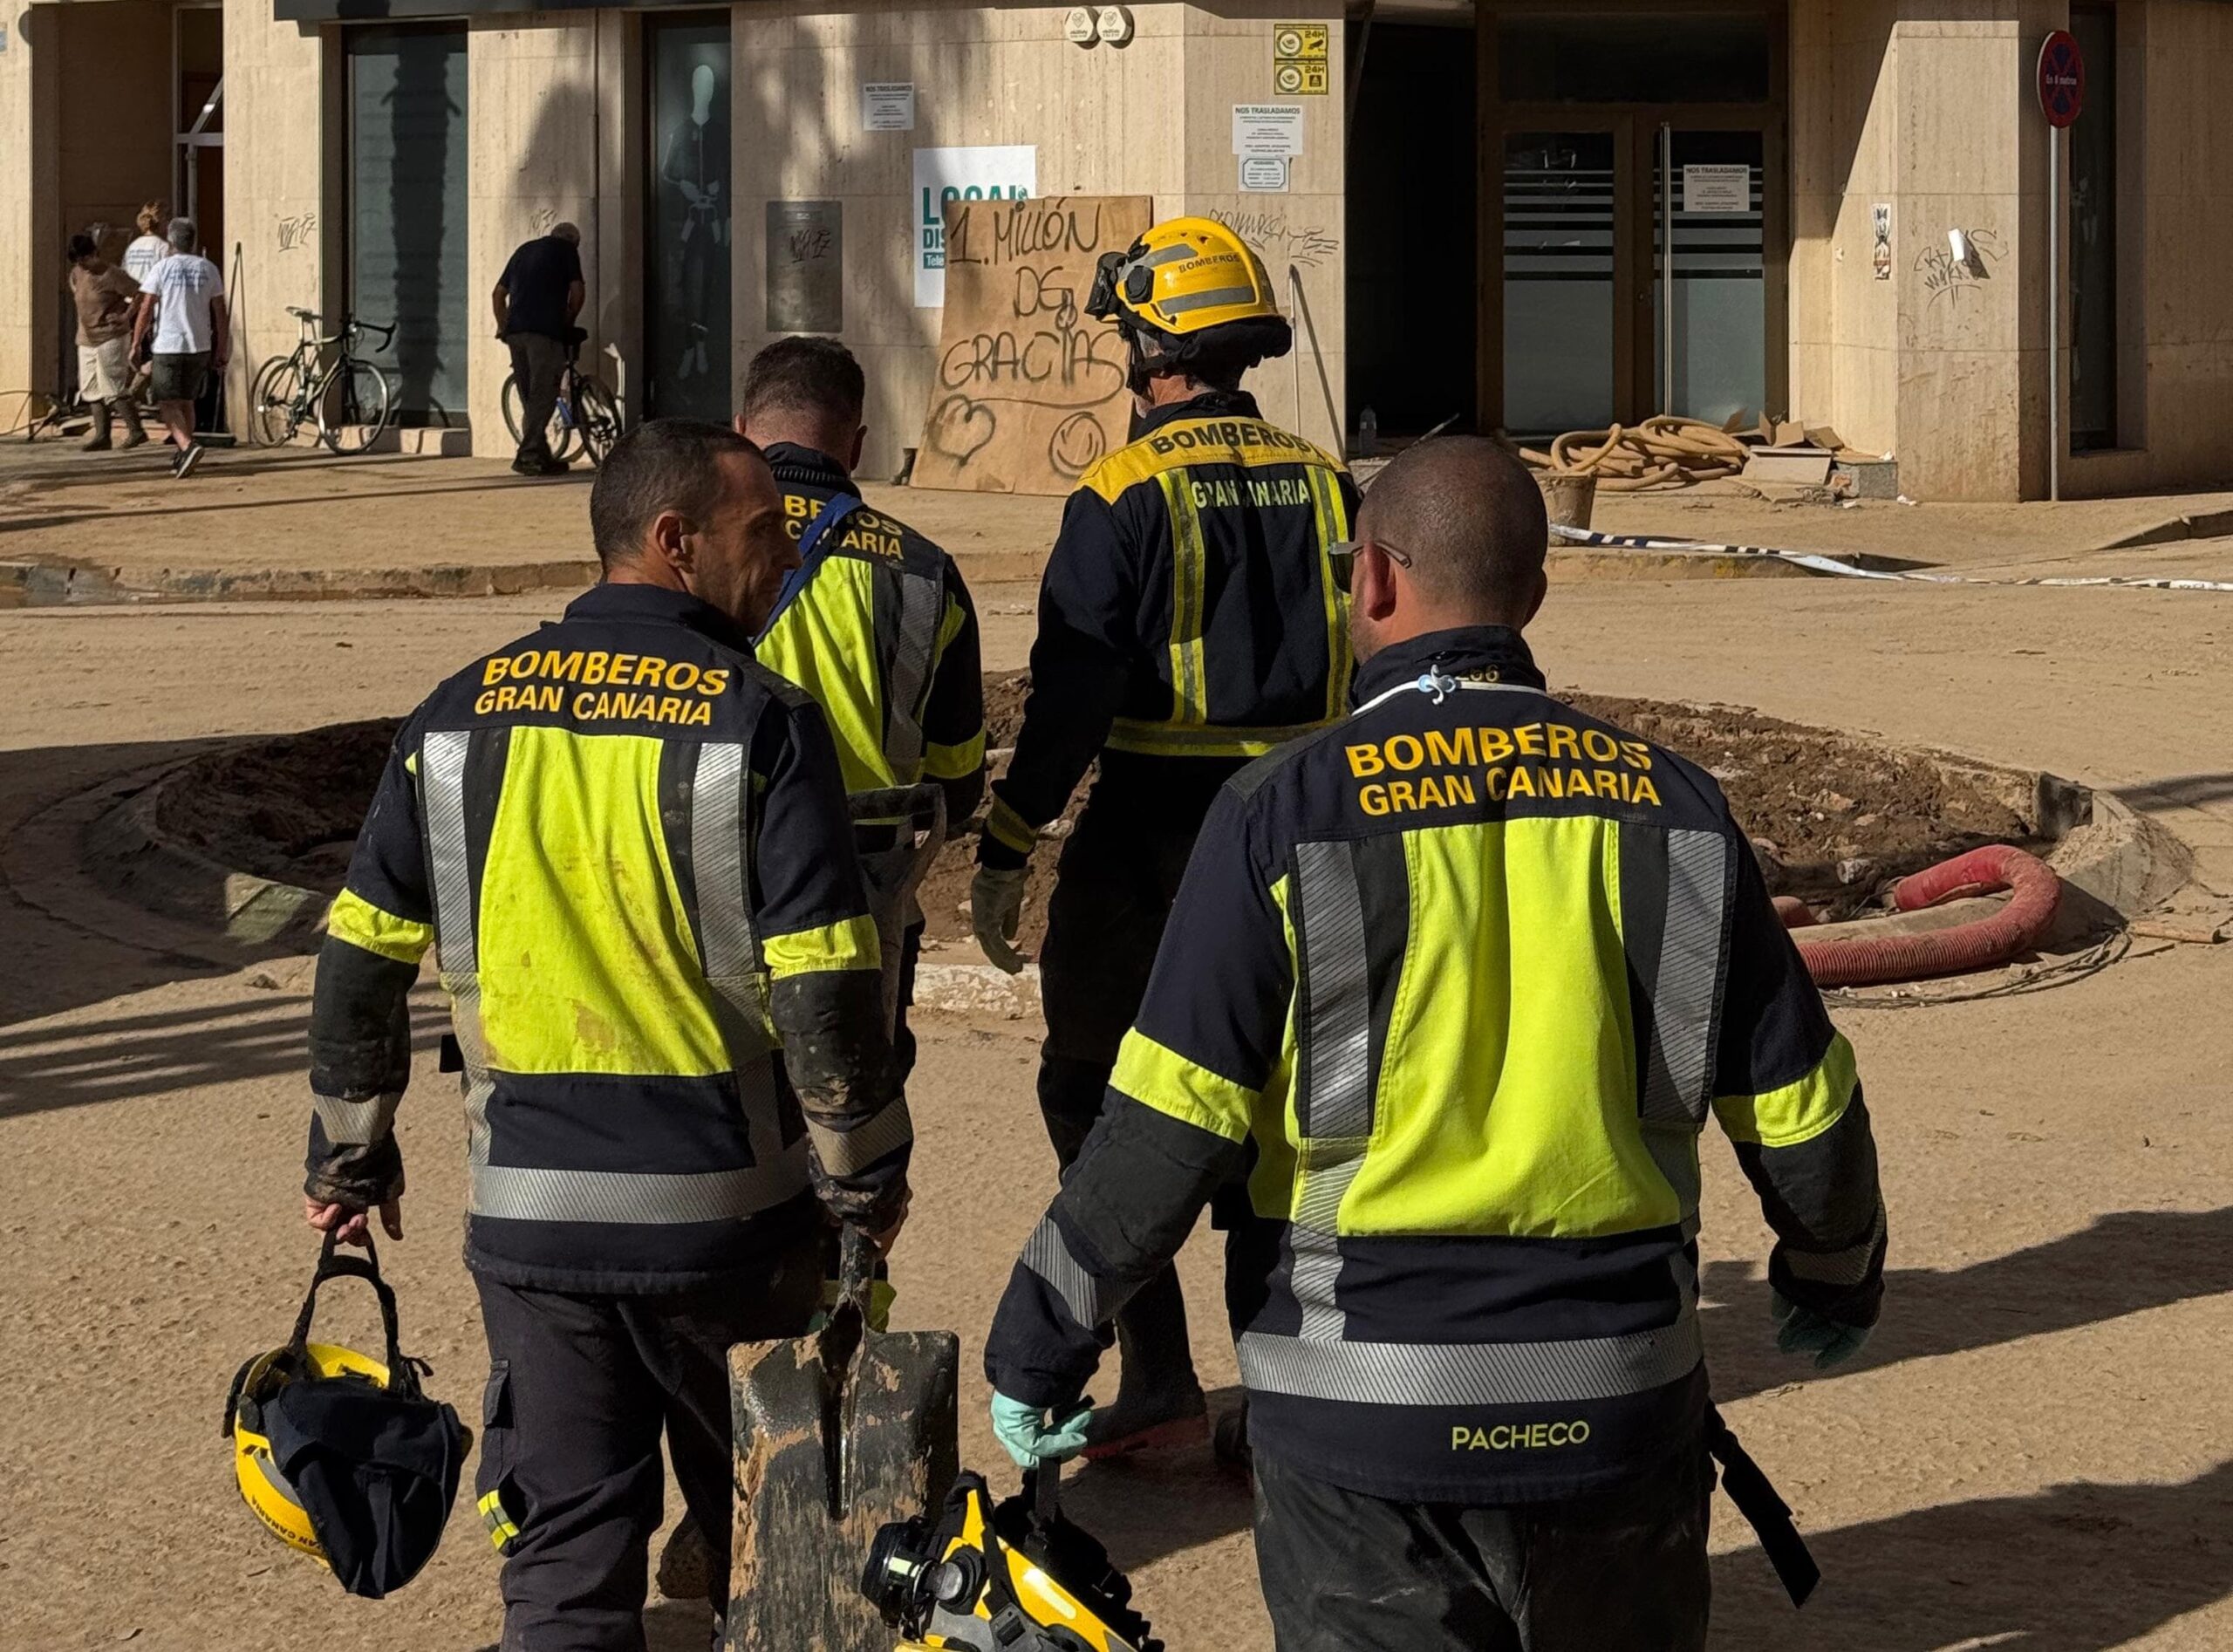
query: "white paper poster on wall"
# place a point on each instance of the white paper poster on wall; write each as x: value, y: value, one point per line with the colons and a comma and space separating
x: 1717, y: 188
x: 1267, y: 129
x: 1263, y: 174
x: 989, y: 172
x: 887, y: 106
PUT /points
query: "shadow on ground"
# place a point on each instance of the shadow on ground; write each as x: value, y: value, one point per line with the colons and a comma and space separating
x: 2126, y: 1262
x: 2078, y: 1567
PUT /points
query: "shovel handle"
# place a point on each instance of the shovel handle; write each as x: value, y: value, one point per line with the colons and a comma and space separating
x: 856, y: 1267
x: 1046, y: 1484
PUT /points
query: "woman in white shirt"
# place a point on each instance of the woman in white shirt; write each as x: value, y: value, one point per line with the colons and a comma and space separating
x: 150, y: 249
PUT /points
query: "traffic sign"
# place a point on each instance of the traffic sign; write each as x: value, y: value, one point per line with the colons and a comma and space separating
x: 2062, y: 79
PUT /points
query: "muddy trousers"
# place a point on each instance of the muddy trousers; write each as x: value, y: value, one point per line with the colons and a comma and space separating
x: 1620, y: 1570
x: 580, y: 1388
x: 1113, y: 892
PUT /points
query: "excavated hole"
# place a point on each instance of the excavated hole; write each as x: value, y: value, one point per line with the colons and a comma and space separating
x: 1834, y: 818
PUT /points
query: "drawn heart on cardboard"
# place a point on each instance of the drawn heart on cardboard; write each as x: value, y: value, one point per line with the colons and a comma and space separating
x: 960, y: 428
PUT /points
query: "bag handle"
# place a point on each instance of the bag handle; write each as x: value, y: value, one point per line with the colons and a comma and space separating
x: 402, y: 1375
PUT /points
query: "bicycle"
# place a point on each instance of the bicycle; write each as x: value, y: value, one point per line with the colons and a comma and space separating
x: 346, y: 397
x: 585, y: 412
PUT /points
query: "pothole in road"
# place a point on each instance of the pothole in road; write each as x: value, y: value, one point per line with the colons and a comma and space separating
x: 1834, y: 818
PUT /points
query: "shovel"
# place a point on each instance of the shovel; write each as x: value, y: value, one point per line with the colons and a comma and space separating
x: 837, y: 1432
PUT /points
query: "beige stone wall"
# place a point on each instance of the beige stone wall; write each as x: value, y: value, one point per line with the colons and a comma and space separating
x: 550, y: 97
x: 29, y: 283
x: 276, y: 183
x: 1152, y: 117
x: 2175, y: 233
x: 1932, y: 115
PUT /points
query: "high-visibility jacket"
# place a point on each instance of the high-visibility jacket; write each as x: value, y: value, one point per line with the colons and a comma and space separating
x: 628, y: 844
x: 883, y: 636
x: 1455, y: 986
x: 1189, y: 619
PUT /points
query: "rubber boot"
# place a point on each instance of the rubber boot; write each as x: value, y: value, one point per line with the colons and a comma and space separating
x: 135, y: 433
x: 98, y: 442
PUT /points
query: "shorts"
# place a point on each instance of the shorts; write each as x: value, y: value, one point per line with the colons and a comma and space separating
x: 105, y: 370
x: 181, y: 378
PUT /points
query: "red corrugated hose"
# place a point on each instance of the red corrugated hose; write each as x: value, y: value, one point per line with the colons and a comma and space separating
x: 2034, y: 892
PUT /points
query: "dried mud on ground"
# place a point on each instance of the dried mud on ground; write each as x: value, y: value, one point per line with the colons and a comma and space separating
x: 1834, y: 818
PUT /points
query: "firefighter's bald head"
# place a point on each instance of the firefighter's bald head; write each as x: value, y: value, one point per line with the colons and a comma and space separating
x: 1454, y: 535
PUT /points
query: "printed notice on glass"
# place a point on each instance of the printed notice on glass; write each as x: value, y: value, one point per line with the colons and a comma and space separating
x: 887, y: 106
x: 1717, y: 188
x: 1267, y: 129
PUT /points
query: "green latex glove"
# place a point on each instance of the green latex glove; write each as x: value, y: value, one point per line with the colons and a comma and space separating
x: 1031, y: 1439
x: 1804, y: 1331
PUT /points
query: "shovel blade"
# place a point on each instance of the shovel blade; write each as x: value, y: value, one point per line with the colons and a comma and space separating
x: 824, y: 1457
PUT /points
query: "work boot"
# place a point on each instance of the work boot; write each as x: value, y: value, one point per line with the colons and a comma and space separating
x: 98, y: 442
x: 135, y: 432
x: 685, y: 1571
x: 1144, y: 1422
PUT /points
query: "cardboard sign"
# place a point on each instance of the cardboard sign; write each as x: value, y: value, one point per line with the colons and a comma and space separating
x: 1030, y: 391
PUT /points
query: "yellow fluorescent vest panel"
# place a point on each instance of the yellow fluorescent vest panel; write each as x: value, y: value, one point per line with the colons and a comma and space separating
x: 587, y: 965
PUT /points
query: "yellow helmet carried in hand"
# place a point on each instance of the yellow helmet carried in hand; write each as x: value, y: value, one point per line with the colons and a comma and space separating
x: 267, y: 1491
x: 1191, y: 291
x: 341, y: 1455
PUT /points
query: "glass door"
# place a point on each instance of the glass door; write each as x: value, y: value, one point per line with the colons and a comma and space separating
x: 688, y: 221
x: 1566, y: 355
x: 1709, y: 320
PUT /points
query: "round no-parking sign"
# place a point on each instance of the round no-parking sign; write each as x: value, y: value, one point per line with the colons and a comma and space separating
x: 2062, y: 79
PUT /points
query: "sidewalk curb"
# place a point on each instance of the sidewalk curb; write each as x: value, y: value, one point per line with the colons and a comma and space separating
x: 38, y: 585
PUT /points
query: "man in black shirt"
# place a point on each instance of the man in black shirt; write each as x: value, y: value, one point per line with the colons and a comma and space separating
x: 536, y: 299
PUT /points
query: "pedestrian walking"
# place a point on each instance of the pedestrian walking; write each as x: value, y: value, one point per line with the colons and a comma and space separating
x: 1453, y: 986
x: 105, y: 297
x: 1188, y: 622
x: 536, y: 300
x: 182, y: 320
x: 149, y: 248
x: 628, y: 844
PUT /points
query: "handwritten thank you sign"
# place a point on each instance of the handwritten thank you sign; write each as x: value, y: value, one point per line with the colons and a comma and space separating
x: 1029, y: 391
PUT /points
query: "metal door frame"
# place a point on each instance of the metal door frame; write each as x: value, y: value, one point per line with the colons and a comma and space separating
x: 1635, y: 129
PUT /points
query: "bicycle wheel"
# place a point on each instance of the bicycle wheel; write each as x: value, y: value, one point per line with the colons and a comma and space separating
x: 353, y: 410
x: 597, y: 416
x: 274, y: 413
x: 560, y: 435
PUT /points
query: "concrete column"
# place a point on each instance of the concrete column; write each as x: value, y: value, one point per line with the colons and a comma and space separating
x: 31, y: 209
x: 278, y: 205
x: 534, y: 161
x: 1925, y: 108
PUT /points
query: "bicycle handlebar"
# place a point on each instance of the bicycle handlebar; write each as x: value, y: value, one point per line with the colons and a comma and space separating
x: 386, y: 333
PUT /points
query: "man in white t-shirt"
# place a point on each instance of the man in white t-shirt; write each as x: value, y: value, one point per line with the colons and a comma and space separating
x: 183, y: 303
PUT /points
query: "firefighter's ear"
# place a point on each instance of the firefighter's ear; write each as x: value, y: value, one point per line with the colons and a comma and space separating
x: 669, y: 542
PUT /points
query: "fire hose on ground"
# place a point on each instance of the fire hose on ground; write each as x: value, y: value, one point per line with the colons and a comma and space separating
x: 1664, y: 451
x: 1998, y: 937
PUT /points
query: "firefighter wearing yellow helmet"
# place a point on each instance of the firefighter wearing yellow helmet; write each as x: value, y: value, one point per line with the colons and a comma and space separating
x: 1190, y: 620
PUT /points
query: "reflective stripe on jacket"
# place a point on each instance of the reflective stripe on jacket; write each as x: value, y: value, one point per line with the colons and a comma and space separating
x: 628, y: 844
x: 883, y: 636
x: 1454, y: 986
x: 1189, y: 615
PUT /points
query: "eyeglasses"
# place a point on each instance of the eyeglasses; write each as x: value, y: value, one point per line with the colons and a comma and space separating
x: 1342, y: 555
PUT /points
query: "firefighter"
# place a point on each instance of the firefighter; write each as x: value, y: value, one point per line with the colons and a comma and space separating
x: 1455, y: 985
x: 628, y: 844
x: 1188, y: 621
x: 879, y: 629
